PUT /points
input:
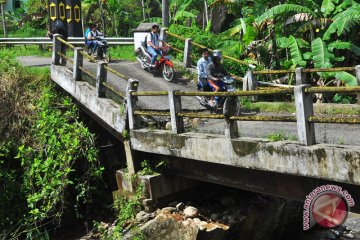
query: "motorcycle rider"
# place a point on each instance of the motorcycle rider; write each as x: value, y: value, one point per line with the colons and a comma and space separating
x: 215, y: 71
x: 202, y: 64
x: 153, y: 40
x: 90, y: 38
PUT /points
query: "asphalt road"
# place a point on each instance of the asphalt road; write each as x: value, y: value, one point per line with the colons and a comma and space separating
x: 325, y: 133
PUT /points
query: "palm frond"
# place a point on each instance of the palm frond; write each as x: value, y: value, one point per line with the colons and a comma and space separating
x: 327, y: 6
x: 345, y: 4
x: 295, y: 52
x: 316, y: 23
x: 184, y: 14
x: 340, y: 26
x: 282, y: 42
x: 344, y: 45
x: 299, y: 17
x: 283, y: 9
x: 232, y: 31
x: 321, y: 54
x: 349, y: 79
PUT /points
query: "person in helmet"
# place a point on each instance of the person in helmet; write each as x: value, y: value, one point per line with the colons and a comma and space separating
x: 216, y: 71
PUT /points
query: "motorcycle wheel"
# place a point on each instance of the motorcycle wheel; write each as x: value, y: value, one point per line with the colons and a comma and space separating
x: 231, y: 107
x: 100, y: 54
x: 168, y: 73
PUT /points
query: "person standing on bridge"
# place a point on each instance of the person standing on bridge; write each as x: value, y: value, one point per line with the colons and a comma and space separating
x: 152, y: 40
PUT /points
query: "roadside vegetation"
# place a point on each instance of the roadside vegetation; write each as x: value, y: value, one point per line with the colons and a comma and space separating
x: 48, y: 159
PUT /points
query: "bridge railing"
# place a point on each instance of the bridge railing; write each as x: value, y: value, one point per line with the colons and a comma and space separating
x: 250, y: 81
x: 303, y: 93
x: 98, y: 79
x: 304, y: 118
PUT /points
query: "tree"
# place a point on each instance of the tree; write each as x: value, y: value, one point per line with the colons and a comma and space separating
x: 2, y: 3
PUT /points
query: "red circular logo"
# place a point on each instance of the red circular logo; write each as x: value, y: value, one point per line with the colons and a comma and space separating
x: 329, y: 210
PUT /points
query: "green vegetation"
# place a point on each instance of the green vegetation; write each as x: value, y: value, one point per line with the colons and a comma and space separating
x: 123, y: 52
x: 48, y: 160
x: 126, y: 207
x: 16, y: 51
x: 275, y: 137
x: 148, y: 168
x: 289, y: 107
x: 27, y: 31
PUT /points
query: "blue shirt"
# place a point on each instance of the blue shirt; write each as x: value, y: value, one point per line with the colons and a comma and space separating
x: 202, y: 66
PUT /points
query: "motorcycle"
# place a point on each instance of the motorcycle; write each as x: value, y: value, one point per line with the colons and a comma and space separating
x: 102, y: 52
x: 230, y: 106
x: 164, y: 65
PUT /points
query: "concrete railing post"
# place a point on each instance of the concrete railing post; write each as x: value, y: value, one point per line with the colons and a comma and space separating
x: 131, y: 102
x: 78, y: 62
x: 55, y: 49
x: 163, y: 33
x: 250, y: 83
x: 101, y: 75
x: 231, y: 129
x: 165, y: 12
x: 304, y: 109
x: 300, y: 76
x: 177, y: 124
x: 187, y: 52
x: 357, y: 72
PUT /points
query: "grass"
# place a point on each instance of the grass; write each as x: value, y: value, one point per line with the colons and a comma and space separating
x: 27, y: 31
x: 16, y: 51
x: 289, y: 107
x: 274, y: 137
x: 123, y: 52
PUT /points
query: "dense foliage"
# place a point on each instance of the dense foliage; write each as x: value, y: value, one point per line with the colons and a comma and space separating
x: 48, y: 160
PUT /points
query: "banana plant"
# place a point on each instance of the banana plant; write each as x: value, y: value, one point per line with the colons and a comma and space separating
x: 321, y: 55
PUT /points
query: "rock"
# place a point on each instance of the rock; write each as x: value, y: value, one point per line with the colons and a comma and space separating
x: 336, y: 233
x: 197, y: 220
x: 349, y: 235
x: 143, y: 216
x: 168, y: 210
x: 180, y: 206
x: 202, y: 225
x: 195, y: 122
x: 186, y: 223
x: 214, y: 217
x: 331, y: 236
x: 191, y: 212
x: 148, y: 205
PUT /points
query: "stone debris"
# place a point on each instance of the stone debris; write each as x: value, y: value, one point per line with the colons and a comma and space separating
x: 191, y: 212
x: 168, y: 210
x: 143, y: 216
x: 180, y: 206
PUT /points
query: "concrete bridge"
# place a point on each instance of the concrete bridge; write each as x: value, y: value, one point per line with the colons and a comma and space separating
x: 290, y: 169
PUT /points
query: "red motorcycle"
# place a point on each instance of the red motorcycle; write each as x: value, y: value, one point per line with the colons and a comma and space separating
x: 164, y: 65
